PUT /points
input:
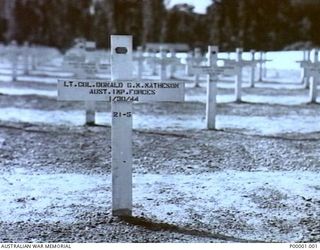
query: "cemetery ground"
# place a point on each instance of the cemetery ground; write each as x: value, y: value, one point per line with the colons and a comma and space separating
x: 255, y: 178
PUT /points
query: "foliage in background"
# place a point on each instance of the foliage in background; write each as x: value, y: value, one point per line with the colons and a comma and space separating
x: 251, y: 24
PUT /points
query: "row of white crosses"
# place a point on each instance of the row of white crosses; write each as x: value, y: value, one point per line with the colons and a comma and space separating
x: 311, y: 74
x: 261, y: 61
x: 163, y: 61
x: 197, y: 59
x: 122, y: 90
x: 27, y: 58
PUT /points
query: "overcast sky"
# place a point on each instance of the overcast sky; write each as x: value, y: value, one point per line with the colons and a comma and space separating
x: 200, y: 5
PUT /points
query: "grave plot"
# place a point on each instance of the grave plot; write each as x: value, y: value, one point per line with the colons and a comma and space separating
x: 255, y: 178
x: 180, y: 189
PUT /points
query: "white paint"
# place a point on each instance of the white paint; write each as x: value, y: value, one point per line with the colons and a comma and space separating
x: 14, y: 57
x: 188, y: 63
x: 304, y: 64
x: 261, y: 66
x: 121, y: 129
x: 140, y: 60
x: 77, y: 63
x: 238, y: 76
x: 197, y: 60
x: 90, y: 112
x: 163, y: 64
x: 173, y: 65
x: 26, y: 58
x: 253, y: 69
x: 265, y: 65
x: 314, y: 79
x: 34, y: 61
x: 163, y: 61
x: 151, y: 60
x: 211, y: 103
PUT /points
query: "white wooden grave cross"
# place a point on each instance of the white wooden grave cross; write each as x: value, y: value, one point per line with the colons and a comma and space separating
x: 304, y: 77
x: 140, y: 59
x: 238, y: 64
x: 304, y: 64
x: 212, y: 71
x: 90, y: 70
x: 151, y: 55
x: 26, y: 58
x: 34, y: 62
x: 121, y: 90
x: 2, y: 52
x: 76, y: 62
x: 175, y: 61
x: 188, y: 63
x: 253, y: 68
x: 196, y: 61
x: 165, y: 61
x: 262, y: 65
x: 313, y: 71
x: 13, y: 56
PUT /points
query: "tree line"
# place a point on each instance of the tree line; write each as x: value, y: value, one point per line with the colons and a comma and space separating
x: 250, y: 24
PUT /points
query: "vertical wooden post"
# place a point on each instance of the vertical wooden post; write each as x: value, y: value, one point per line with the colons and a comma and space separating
x: 314, y: 80
x: 238, y: 77
x: 211, y: 104
x: 15, y: 58
x: 90, y: 113
x: 265, y: 64
x: 303, y: 69
x: 26, y: 58
x: 121, y: 130
x: 196, y: 81
x: 163, y: 66
x: 140, y: 61
x: 152, y: 62
x: 260, y: 66
x: 188, y: 63
x: 79, y: 73
x: 253, y: 69
x: 197, y: 56
x: 33, y: 58
x: 173, y: 66
x: 306, y: 78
